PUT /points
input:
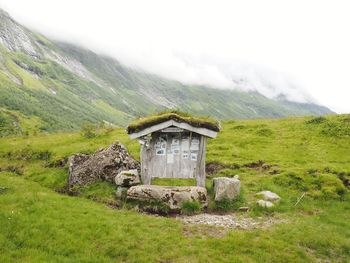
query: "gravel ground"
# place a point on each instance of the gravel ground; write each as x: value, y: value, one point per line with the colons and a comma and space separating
x: 229, y: 221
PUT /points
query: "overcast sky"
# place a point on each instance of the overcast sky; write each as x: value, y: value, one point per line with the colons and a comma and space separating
x: 211, y: 42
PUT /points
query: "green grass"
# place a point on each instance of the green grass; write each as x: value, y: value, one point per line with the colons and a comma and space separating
x: 174, y: 181
x: 288, y: 156
x: 190, y: 208
x: 15, y: 123
x: 203, y: 122
x: 39, y: 225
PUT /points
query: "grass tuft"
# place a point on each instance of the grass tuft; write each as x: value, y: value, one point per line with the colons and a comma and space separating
x: 190, y: 208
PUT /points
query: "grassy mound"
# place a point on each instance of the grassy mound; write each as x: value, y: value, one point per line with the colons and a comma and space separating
x: 200, y: 122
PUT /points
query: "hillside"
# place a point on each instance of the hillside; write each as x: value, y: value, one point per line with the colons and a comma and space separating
x: 289, y: 156
x: 63, y: 86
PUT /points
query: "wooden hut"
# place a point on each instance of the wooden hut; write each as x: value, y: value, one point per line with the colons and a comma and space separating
x: 173, y: 145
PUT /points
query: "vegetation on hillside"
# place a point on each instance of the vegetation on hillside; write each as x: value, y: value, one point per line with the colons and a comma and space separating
x: 289, y: 156
x: 64, y: 86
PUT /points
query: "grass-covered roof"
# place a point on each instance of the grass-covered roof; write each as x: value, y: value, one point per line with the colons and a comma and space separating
x: 199, y: 122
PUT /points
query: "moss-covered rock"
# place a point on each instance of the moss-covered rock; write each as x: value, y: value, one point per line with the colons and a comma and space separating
x: 127, y: 178
x: 171, y: 196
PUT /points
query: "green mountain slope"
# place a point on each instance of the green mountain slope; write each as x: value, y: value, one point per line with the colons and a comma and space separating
x: 65, y: 86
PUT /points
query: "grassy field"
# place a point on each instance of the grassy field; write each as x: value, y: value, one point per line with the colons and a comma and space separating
x: 38, y: 223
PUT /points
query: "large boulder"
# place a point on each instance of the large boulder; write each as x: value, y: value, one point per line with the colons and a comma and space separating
x: 104, y: 164
x: 128, y: 178
x: 268, y: 196
x: 226, y: 188
x: 172, y: 196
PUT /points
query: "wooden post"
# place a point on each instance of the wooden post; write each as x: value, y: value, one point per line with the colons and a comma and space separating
x: 200, y: 168
x: 145, y: 174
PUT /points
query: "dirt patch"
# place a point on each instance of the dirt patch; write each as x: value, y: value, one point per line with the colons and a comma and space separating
x: 274, y: 171
x: 263, y: 167
x: 215, y: 167
x: 258, y: 165
x: 3, y: 189
x: 17, y: 169
x: 344, y: 177
x: 233, y: 221
x: 57, y: 163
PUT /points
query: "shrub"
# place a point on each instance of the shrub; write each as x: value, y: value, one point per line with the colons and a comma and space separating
x: 89, y: 130
x: 336, y: 129
x: 316, y: 120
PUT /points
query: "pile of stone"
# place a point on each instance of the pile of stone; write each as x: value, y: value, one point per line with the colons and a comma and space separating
x: 226, y: 188
x: 229, y: 221
x: 124, y: 180
x: 267, y: 199
x: 104, y: 164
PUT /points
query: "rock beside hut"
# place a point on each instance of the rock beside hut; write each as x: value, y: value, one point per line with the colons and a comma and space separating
x: 104, y: 164
x: 171, y: 196
x: 226, y: 188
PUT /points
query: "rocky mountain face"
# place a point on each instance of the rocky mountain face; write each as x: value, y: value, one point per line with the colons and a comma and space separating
x: 48, y: 85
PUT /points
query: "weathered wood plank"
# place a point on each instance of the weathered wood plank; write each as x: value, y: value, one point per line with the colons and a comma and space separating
x: 173, y: 164
x: 145, y: 162
x: 151, y: 129
x: 200, y: 171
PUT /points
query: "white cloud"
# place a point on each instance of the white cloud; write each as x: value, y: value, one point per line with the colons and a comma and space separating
x: 211, y: 42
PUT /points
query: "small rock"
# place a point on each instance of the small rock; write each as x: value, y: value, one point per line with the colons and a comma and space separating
x: 243, y: 208
x: 127, y: 178
x: 264, y: 203
x: 226, y: 188
x: 121, y: 193
x: 269, y: 196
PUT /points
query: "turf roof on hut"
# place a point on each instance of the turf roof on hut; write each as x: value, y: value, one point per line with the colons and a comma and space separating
x: 199, y: 122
